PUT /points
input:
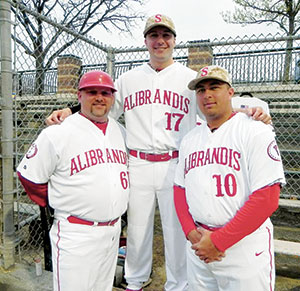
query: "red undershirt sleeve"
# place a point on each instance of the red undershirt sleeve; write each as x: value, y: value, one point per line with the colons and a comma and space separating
x: 38, y: 193
x: 182, y: 210
x: 261, y: 204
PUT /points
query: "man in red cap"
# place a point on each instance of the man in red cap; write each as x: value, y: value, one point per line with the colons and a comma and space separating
x: 79, y: 168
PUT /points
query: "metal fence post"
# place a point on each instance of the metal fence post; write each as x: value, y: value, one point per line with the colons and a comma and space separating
x: 111, y: 62
x: 8, y: 249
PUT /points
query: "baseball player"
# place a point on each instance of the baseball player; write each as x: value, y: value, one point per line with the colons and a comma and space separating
x: 80, y: 169
x: 227, y: 184
x: 159, y: 110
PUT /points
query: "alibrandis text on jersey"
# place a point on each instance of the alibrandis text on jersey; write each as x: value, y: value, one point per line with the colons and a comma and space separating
x: 215, y: 166
x: 158, y: 96
x: 210, y: 156
x: 96, y: 156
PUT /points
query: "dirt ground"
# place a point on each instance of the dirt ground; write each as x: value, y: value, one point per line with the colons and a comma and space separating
x: 158, y: 273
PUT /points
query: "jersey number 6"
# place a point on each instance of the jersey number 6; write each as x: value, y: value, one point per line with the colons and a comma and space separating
x: 124, y: 179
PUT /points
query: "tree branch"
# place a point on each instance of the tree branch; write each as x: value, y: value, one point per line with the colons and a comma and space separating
x: 284, y: 14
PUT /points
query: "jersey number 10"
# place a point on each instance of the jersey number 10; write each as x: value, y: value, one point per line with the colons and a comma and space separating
x: 229, y: 185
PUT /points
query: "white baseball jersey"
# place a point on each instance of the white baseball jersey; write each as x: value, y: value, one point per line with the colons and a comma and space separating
x: 248, y: 102
x: 220, y: 169
x: 86, y: 170
x: 159, y: 108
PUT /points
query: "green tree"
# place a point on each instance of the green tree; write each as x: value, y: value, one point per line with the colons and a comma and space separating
x: 78, y: 15
x: 282, y: 13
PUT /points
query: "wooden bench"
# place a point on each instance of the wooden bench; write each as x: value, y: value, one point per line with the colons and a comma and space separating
x: 287, y: 247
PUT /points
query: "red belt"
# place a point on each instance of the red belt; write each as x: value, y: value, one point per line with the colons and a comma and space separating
x: 74, y: 219
x: 154, y: 157
x: 206, y: 226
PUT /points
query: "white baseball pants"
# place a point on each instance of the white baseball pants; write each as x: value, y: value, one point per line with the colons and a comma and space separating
x: 248, y: 265
x: 150, y: 181
x: 84, y: 257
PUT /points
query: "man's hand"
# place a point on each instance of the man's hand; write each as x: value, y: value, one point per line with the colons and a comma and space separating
x: 194, y: 236
x: 259, y: 114
x: 205, y: 249
x: 58, y: 116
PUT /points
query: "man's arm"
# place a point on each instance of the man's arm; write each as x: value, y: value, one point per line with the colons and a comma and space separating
x: 189, y: 227
x: 257, y: 113
x: 184, y: 216
x: 58, y: 116
x: 261, y: 204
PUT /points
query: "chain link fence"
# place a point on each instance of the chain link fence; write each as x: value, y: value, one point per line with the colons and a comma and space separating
x: 46, y: 79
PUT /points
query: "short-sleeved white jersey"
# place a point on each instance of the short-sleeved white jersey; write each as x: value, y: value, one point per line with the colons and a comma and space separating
x: 86, y: 170
x: 158, y: 106
x: 220, y: 169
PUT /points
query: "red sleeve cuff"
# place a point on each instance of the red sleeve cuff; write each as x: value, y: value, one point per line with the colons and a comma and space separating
x: 38, y: 193
x: 260, y: 205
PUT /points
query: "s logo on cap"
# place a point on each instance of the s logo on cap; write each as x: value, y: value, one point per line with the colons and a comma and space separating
x: 204, y: 71
x: 158, y: 18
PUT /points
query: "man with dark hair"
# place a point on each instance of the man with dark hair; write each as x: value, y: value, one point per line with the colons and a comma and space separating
x: 227, y: 185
